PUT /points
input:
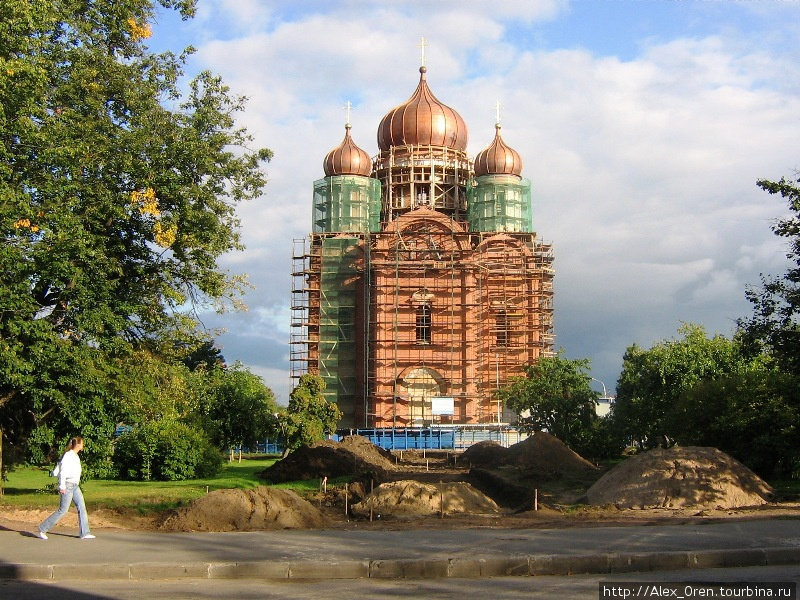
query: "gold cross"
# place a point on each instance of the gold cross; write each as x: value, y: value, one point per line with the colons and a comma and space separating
x: 421, y: 45
x: 347, y: 108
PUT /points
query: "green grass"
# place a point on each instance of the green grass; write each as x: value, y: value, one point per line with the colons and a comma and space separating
x: 308, y: 486
x: 787, y: 490
x: 32, y: 487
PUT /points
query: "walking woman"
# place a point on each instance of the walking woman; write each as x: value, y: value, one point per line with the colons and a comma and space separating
x: 69, y: 478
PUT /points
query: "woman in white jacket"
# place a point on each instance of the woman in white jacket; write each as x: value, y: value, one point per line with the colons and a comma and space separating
x: 69, y: 478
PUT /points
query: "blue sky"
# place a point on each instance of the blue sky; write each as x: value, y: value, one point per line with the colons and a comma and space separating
x: 643, y: 126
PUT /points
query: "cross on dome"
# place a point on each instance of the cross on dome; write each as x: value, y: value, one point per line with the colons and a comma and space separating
x: 347, y: 108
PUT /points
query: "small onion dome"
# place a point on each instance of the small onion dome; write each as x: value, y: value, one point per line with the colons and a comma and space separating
x: 422, y: 120
x: 498, y: 159
x: 347, y: 158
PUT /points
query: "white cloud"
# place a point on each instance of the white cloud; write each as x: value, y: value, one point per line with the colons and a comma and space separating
x: 643, y: 170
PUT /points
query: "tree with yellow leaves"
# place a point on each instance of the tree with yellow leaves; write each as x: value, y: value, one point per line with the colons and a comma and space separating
x: 113, y: 209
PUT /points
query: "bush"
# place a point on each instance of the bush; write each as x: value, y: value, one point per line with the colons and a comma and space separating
x: 165, y: 451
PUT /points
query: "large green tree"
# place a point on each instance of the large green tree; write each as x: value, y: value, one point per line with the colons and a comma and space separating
x: 117, y: 195
x: 652, y: 380
x: 309, y: 416
x: 752, y: 415
x: 773, y: 333
x: 241, y: 409
x: 555, y: 396
x: 775, y: 324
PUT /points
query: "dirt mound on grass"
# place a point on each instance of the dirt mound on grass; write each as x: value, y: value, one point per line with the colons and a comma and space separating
x: 353, y: 456
x: 680, y: 478
x: 245, y: 510
x: 413, y: 498
x: 541, y: 454
x: 547, y: 456
x: 483, y: 454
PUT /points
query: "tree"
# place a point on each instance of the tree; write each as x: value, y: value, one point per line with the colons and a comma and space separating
x: 554, y: 396
x: 309, y: 416
x: 114, y: 206
x: 774, y: 331
x: 653, y: 380
x: 206, y: 357
x: 775, y: 324
x: 752, y: 415
x: 241, y: 409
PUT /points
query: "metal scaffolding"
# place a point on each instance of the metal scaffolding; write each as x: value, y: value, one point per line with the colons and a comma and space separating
x: 418, y: 316
x: 394, y: 319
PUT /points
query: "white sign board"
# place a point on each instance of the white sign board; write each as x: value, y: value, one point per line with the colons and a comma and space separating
x: 443, y: 406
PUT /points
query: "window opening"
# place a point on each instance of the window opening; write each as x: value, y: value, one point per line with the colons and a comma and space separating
x: 424, y: 324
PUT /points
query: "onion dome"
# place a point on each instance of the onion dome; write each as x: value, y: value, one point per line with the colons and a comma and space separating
x: 498, y: 158
x: 347, y: 158
x: 422, y: 120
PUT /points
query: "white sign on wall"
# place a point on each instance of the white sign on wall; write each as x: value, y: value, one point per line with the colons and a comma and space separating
x: 443, y: 406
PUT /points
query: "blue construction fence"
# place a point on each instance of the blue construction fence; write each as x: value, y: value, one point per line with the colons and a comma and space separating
x: 436, y: 438
x: 415, y: 438
x: 407, y: 438
x: 265, y: 447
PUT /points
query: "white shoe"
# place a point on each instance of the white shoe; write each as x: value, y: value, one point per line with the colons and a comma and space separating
x: 88, y: 536
x: 41, y: 535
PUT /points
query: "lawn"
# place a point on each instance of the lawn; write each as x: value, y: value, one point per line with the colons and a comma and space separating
x: 32, y: 487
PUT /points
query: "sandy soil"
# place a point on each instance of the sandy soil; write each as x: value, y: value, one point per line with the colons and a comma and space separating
x: 525, y: 494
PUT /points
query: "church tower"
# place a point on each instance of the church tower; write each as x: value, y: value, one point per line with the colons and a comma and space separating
x: 423, y: 287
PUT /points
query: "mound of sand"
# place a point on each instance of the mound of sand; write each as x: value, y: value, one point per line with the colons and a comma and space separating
x: 547, y: 456
x: 680, y: 478
x: 353, y: 456
x: 541, y: 454
x: 413, y: 498
x: 483, y: 454
x: 245, y: 510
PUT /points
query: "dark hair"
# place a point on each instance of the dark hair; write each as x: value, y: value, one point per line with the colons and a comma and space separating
x: 74, y: 442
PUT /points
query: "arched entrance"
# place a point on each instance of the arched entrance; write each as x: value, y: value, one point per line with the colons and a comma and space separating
x: 421, y: 385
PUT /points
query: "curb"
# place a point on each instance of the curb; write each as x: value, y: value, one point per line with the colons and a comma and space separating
x: 425, y: 568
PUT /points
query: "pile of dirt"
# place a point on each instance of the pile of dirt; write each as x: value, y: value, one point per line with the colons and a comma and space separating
x: 354, y: 456
x: 244, y: 510
x: 413, y: 498
x: 483, y: 454
x: 680, y: 478
x: 547, y: 456
x: 541, y: 455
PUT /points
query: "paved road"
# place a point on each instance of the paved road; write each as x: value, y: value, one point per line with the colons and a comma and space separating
x: 419, y: 554
x: 576, y: 587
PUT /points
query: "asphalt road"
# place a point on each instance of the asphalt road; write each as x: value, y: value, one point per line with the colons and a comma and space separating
x: 575, y: 587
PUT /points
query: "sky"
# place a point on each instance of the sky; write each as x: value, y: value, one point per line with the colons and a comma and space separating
x: 643, y: 126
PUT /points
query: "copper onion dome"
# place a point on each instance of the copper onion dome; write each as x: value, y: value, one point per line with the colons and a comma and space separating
x: 498, y: 158
x: 347, y: 158
x: 422, y: 120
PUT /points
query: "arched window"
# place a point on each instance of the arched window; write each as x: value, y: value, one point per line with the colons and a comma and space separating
x: 424, y: 324
x: 501, y: 328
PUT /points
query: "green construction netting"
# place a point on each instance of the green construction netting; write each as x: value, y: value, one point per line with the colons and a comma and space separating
x: 337, y: 328
x: 500, y: 203
x: 347, y: 203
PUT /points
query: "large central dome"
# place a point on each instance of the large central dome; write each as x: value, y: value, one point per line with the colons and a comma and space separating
x: 421, y: 121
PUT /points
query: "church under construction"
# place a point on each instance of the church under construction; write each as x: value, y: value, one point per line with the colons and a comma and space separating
x: 423, y: 286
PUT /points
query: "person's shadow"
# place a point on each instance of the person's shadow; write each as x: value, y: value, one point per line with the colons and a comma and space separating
x: 31, y: 533
x: 12, y: 586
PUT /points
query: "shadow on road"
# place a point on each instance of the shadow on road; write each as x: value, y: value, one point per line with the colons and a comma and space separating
x: 11, y: 586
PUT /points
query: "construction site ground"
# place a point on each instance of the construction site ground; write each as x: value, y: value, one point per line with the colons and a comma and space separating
x: 555, y: 502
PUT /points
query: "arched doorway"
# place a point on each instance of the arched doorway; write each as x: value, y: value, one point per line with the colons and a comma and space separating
x: 421, y: 385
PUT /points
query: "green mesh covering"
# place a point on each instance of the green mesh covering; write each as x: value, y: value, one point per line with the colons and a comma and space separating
x: 347, y: 203
x: 500, y: 203
x: 337, y: 329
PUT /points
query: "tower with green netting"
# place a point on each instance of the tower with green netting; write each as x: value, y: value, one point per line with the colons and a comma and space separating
x: 423, y: 286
